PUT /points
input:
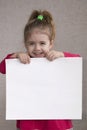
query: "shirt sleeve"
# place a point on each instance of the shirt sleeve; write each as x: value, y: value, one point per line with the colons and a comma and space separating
x: 67, y: 54
x: 3, y: 65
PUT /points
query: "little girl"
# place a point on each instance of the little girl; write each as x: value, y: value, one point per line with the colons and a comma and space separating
x: 39, y: 34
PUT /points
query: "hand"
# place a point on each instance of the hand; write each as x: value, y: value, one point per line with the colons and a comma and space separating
x: 52, y: 55
x: 23, y: 57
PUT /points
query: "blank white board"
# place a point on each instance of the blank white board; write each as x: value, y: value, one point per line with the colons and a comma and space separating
x: 44, y: 89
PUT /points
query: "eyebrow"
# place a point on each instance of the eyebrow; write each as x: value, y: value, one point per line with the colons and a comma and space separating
x: 33, y: 41
x: 30, y: 41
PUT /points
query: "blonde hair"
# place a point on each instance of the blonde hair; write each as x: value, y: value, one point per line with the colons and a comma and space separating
x: 45, y: 22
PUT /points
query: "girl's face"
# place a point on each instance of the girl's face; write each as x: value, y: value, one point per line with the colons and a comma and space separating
x: 38, y: 43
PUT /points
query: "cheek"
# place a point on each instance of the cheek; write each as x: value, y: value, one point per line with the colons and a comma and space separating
x: 29, y: 49
x: 46, y: 49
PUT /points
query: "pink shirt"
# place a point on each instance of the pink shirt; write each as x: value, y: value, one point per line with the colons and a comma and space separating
x: 41, y: 124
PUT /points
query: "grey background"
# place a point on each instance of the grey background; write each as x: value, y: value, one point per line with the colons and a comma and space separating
x: 70, y: 18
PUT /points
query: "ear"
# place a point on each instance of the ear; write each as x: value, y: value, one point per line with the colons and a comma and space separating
x: 51, y: 44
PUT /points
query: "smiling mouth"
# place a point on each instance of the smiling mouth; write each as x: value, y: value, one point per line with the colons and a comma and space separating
x: 39, y: 54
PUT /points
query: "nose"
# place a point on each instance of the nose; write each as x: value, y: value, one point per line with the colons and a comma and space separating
x: 37, y: 47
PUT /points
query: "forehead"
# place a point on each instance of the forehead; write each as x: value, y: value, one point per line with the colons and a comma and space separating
x: 39, y: 34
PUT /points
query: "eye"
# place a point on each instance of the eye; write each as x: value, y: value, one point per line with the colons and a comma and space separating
x: 43, y: 43
x: 30, y: 43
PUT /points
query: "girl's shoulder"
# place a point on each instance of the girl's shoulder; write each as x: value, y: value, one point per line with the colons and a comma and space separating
x: 68, y: 54
x: 2, y: 63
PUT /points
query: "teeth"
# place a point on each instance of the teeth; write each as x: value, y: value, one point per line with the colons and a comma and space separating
x: 37, y: 53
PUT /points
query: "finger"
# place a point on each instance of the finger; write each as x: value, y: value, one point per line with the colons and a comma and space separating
x: 28, y: 59
x: 52, y: 57
x: 49, y: 57
x: 23, y: 59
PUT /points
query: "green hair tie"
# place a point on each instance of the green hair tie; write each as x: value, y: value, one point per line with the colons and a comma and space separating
x: 40, y: 17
